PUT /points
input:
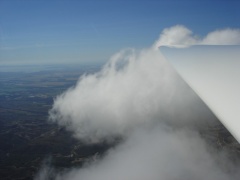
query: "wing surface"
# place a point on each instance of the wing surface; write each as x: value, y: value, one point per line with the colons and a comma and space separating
x: 213, y: 72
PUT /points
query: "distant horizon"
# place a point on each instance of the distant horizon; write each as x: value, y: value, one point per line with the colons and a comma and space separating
x: 26, y: 68
x: 43, y: 66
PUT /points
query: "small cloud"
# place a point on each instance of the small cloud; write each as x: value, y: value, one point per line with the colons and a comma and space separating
x: 222, y: 37
x: 176, y: 36
x: 180, y: 37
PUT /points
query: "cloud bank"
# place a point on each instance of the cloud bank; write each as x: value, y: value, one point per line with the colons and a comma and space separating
x: 138, y: 96
x: 158, y: 153
x: 180, y: 37
x: 133, y: 89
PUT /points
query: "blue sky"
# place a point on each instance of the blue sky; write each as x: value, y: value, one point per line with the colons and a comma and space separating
x: 80, y: 31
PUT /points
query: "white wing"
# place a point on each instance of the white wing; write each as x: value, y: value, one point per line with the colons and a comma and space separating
x: 213, y: 72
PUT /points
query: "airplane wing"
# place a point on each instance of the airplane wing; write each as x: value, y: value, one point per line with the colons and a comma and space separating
x: 213, y: 72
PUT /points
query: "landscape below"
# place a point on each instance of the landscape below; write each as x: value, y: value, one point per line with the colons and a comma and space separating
x: 27, y: 138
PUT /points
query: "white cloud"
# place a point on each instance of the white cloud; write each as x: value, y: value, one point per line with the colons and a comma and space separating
x: 222, y: 37
x: 155, y: 153
x: 179, y: 36
x: 132, y: 89
x: 176, y: 36
x: 140, y: 98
